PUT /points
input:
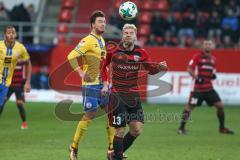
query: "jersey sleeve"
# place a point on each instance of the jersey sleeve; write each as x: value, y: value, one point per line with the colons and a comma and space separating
x: 83, y: 46
x: 24, y: 56
x: 151, y: 67
x: 193, y: 62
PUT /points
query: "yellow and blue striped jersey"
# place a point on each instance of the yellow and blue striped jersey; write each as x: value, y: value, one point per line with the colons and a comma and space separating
x: 93, y: 51
x: 9, y: 57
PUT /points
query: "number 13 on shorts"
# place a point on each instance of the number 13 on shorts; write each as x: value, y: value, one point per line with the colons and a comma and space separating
x: 117, y: 120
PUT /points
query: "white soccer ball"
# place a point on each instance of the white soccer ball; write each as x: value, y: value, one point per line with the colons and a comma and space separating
x: 128, y: 10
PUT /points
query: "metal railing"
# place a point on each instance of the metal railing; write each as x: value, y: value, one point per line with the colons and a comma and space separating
x: 46, y: 33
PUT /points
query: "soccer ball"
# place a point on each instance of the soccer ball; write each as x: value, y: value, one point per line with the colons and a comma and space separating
x: 128, y: 10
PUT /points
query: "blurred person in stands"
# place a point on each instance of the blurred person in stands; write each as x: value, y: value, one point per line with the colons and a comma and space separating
x: 152, y: 41
x: 3, y: 17
x: 11, y: 51
x: 20, y: 14
x: 32, y: 13
x: 230, y: 26
x: 215, y: 25
x: 21, y: 75
x: 202, y: 69
x: 159, y: 24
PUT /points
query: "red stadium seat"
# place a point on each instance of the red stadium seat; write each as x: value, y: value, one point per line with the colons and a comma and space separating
x: 161, y: 5
x: 63, y: 28
x: 144, y: 30
x: 68, y: 4
x: 147, y: 5
x: 65, y: 15
x: 143, y: 40
x: 145, y: 17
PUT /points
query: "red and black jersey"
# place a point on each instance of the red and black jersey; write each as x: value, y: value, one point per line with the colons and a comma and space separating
x: 204, y: 67
x: 19, y: 75
x: 125, y: 68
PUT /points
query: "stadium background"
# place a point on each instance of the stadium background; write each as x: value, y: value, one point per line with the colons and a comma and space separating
x: 170, y: 30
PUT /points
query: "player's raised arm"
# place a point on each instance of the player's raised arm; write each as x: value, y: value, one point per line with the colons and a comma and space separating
x: 154, y: 67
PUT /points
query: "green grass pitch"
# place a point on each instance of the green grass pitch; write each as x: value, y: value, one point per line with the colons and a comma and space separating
x: 47, y: 137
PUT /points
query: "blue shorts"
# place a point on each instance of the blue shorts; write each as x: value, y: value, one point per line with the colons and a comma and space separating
x: 92, y: 97
x: 3, y: 93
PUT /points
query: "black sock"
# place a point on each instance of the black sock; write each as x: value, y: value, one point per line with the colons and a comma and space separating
x: 128, y: 141
x: 185, y: 117
x: 118, y: 148
x: 22, y: 112
x: 221, y: 117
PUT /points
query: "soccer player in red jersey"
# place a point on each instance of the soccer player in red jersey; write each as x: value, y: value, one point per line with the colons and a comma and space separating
x: 202, y: 68
x: 126, y: 62
x: 21, y: 74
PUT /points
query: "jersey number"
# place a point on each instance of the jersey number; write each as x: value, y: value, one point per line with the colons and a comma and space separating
x: 117, y: 120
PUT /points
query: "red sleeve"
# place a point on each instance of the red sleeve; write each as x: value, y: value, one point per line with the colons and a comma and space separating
x: 151, y: 67
x: 193, y: 62
x: 106, y: 62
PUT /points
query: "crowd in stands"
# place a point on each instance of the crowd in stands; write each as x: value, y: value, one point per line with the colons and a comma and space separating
x: 18, y: 13
x: 185, y: 23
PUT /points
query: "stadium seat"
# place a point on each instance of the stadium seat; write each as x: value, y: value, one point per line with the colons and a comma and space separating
x: 161, y: 5
x: 63, y: 28
x: 144, y: 30
x: 147, y: 5
x: 68, y: 4
x: 65, y: 15
x: 142, y: 40
x: 145, y: 17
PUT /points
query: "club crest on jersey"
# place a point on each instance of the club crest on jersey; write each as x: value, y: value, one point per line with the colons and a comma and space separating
x: 136, y: 58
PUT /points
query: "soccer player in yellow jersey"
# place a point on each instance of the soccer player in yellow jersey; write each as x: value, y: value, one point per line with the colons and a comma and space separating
x: 92, y: 52
x: 11, y: 51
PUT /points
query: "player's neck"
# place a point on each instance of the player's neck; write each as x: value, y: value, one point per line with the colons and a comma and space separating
x: 94, y: 32
x: 128, y: 46
x: 9, y: 44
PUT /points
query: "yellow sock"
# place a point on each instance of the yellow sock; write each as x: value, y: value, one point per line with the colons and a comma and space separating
x: 110, y: 132
x: 81, y: 128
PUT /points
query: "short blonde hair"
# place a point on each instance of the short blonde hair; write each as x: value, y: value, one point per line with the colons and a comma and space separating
x: 132, y: 26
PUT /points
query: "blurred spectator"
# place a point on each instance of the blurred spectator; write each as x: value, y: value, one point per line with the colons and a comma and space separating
x: 204, y: 5
x: 214, y: 25
x: 3, y: 17
x: 159, y: 24
x: 32, y: 13
x: 20, y: 14
x: 40, y: 79
x: 202, y: 24
x: 218, y: 7
x: 230, y: 25
x: 173, y: 23
x: 3, y: 12
x: 227, y: 42
x: 187, y: 26
x: 169, y: 40
x: 152, y: 41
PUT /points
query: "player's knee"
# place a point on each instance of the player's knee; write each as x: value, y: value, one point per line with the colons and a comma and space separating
x: 136, y: 132
x: 119, y: 132
x: 19, y: 102
x: 219, y: 105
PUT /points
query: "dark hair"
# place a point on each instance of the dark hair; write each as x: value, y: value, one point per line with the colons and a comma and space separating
x: 94, y: 16
x: 8, y: 27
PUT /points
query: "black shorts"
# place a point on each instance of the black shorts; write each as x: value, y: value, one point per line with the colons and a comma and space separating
x: 211, y: 97
x: 19, y: 93
x: 124, y: 108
